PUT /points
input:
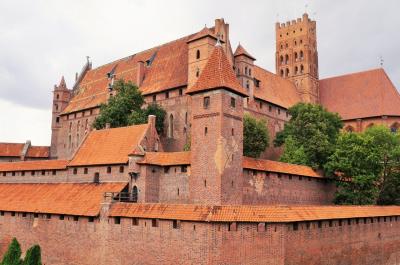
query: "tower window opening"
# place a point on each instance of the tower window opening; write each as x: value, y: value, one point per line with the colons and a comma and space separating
x: 301, y: 55
x: 197, y: 72
x: 167, y: 94
x: 108, y: 170
x: 58, y: 96
x: 287, y: 72
x: 57, y: 119
x: 205, y: 130
x: 301, y: 68
x: 198, y: 54
x: 206, y: 102
x: 180, y: 92
x: 281, y: 59
x: 233, y: 102
x: 205, y: 183
x: 296, y: 70
x: 245, y: 70
x: 249, y: 71
x: 296, y: 56
x: 286, y: 59
x: 233, y: 132
x: 247, y: 84
x: 154, y: 98
x: 282, y: 72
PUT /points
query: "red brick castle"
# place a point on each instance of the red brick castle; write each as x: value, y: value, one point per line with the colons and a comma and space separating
x: 130, y: 196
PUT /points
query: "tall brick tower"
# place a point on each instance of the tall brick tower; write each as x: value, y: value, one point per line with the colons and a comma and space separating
x: 297, y: 56
x: 216, y: 133
x: 244, y: 64
x: 61, y: 97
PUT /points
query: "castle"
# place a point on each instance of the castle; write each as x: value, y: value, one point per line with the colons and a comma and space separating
x: 131, y: 196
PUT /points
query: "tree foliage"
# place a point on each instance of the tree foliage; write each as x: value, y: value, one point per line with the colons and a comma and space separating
x: 126, y: 108
x: 367, y: 166
x: 33, y: 256
x: 255, y: 136
x: 13, y: 254
x: 310, y: 135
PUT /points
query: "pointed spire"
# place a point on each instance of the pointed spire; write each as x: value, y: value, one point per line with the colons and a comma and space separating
x: 62, y: 84
x: 241, y: 51
x: 217, y: 73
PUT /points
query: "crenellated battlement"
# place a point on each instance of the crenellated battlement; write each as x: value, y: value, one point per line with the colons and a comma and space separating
x: 294, y: 22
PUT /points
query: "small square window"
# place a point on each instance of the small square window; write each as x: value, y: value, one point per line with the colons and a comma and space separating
x: 85, y: 170
x: 121, y: 169
x: 54, y: 172
x: 175, y: 224
x: 13, y: 173
x: 4, y: 174
x: 76, y: 218
x: 183, y: 168
x: 135, y: 221
x: 33, y: 173
x: 154, y: 98
x: 154, y: 222
x: 61, y: 217
x: 43, y: 172
x: 91, y: 219
x: 233, y: 102
x: 166, y: 170
x: 108, y: 170
x: 23, y: 173
x: 180, y: 92
x: 167, y: 94
x: 117, y: 220
x: 75, y: 171
x: 206, y: 102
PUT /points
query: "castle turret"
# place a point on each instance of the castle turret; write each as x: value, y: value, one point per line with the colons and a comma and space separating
x: 244, y: 64
x: 61, y: 98
x: 297, y: 56
x: 216, y: 133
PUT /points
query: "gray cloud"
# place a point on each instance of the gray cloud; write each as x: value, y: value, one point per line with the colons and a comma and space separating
x: 42, y: 40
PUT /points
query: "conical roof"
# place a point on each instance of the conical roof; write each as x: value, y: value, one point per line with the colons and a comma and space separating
x: 217, y: 73
x: 242, y: 51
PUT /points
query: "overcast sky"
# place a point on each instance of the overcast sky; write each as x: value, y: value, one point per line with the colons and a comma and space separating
x: 42, y: 40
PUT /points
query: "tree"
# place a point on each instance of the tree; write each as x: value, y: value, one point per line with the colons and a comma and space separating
x: 13, y: 254
x: 126, y: 108
x: 367, y: 167
x: 33, y: 256
x: 255, y: 136
x: 140, y: 116
x: 311, y: 133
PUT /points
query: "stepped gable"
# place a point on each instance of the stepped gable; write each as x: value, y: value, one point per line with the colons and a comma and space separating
x: 217, y: 73
x: 33, y: 165
x: 166, y: 158
x: 360, y: 95
x: 11, y: 149
x: 275, y: 89
x: 82, y: 199
x: 167, y: 68
x: 279, y: 167
x: 249, y: 213
x: 109, y: 146
x: 241, y: 51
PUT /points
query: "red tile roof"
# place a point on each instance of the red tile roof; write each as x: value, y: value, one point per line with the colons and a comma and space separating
x: 205, y: 32
x: 38, y: 152
x: 359, y: 95
x: 33, y: 165
x: 217, y: 73
x: 11, y: 149
x: 166, y: 158
x: 109, y: 146
x: 275, y: 89
x: 167, y: 70
x: 241, y: 51
x: 249, y: 213
x: 279, y: 167
x: 63, y: 198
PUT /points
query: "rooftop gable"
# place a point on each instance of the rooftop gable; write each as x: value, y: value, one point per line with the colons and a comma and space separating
x: 217, y: 73
x: 63, y: 198
x: 109, y: 146
x: 360, y: 95
x: 242, y: 51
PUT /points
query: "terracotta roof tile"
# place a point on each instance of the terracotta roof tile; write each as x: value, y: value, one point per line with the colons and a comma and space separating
x: 359, y: 95
x: 166, y: 158
x: 33, y: 165
x: 63, y: 198
x: 247, y: 213
x: 11, y: 149
x: 203, y: 33
x: 241, y: 51
x: 109, y: 146
x: 275, y: 89
x: 217, y: 73
x: 279, y: 167
x: 38, y: 152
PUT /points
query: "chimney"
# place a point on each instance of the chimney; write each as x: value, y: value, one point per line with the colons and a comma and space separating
x: 140, y: 73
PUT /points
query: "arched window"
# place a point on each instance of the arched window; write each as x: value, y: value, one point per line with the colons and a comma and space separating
x: 287, y: 72
x: 171, y: 126
x: 198, y: 54
x: 395, y: 127
x: 69, y: 141
x: 301, y: 55
x: 249, y: 71
x: 247, y: 84
x: 58, y: 96
x: 197, y: 72
x: 56, y: 107
x: 301, y: 68
x: 281, y: 59
x: 296, y: 70
x: 186, y: 118
x: 134, y: 194
x: 295, y: 56
x: 245, y: 70
x: 286, y: 59
x: 282, y: 72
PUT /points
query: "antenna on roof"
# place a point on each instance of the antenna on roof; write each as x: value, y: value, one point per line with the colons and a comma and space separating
x: 381, y: 61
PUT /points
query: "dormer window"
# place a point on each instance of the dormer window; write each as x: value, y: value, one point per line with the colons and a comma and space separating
x: 198, y: 54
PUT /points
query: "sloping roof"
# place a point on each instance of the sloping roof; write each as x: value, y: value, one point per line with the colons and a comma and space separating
x: 279, y: 167
x: 168, y: 70
x: 217, y: 73
x: 275, y: 89
x: 11, y: 149
x: 242, y: 51
x: 33, y: 165
x: 205, y: 32
x: 249, y: 213
x: 38, y: 152
x: 359, y: 95
x: 166, y: 158
x: 62, y: 198
x: 109, y: 146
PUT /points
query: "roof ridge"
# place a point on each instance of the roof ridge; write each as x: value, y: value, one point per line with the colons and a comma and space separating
x: 354, y: 73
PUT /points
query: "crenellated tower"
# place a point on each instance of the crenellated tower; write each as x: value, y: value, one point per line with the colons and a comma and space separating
x: 297, y: 56
x: 61, y: 98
